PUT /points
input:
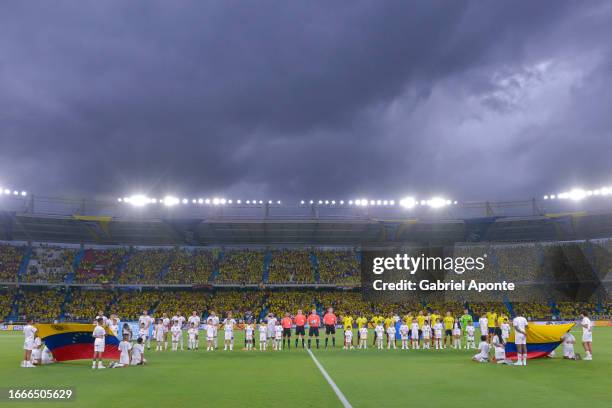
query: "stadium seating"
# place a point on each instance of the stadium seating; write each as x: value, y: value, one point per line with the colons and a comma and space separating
x: 241, y: 267
x: 290, y: 266
x: 191, y: 266
x: 100, y: 265
x: 10, y: 261
x: 49, y: 264
x: 336, y: 266
x: 145, y: 266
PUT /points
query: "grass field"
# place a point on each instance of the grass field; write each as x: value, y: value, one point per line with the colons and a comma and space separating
x: 369, y: 378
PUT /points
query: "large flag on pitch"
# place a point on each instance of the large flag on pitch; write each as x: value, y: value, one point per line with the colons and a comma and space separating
x: 74, y: 341
x: 541, y: 339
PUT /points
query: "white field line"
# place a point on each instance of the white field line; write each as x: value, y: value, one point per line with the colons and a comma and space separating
x: 331, y: 382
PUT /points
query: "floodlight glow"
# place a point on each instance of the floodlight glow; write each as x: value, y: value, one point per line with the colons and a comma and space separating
x: 333, y: 202
x: 223, y: 201
x: 238, y: 201
x: 269, y: 201
x: 229, y: 201
x: 207, y: 201
x: 436, y: 202
x: 577, y: 194
x: 260, y: 201
x: 278, y: 202
x: 138, y: 200
x: 385, y: 202
x: 302, y: 202
x: 200, y: 201
x: 154, y: 200
x: 311, y: 202
x: 378, y: 202
x: 119, y: 199
x: 23, y: 193
x: 320, y: 202
x: 248, y: 201
x: 408, y: 202
x: 15, y: 192
x: 215, y: 201
x: 552, y: 196
x: 170, y: 201
x: 341, y: 202
x: 7, y: 191
x: 392, y: 202
x: 193, y: 201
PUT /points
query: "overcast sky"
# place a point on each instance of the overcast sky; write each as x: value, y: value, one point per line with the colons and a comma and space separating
x: 305, y: 99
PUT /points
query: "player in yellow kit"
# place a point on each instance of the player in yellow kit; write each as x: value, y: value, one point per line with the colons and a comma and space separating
x: 421, y: 319
x: 361, y: 322
x: 492, y: 323
x: 448, y: 328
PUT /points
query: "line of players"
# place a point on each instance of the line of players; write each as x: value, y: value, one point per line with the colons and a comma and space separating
x: 423, y: 330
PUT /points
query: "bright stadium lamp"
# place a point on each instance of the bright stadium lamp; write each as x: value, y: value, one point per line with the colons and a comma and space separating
x: 278, y: 202
x: 436, y: 202
x: 577, y: 194
x: 23, y: 193
x: 238, y: 201
x: 260, y: 201
x: 200, y: 201
x: 223, y: 201
x: 341, y: 202
x: 302, y: 202
x: 170, y: 201
x: 7, y: 191
x: 408, y: 202
x: 392, y: 202
x: 229, y: 201
x: 138, y: 200
x: 215, y: 201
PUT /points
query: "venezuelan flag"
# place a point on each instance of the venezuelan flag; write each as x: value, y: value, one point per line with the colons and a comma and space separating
x: 541, y: 339
x: 74, y: 341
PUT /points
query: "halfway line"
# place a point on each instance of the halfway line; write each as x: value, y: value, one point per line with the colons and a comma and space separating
x: 331, y: 382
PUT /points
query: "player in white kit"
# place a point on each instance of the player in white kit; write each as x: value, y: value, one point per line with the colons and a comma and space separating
x: 404, y: 335
x: 211, y: 331
x: 192, y: 334
x: 147, y: 321
x: 194, y: 320
x: 437, y: 329
x: 568, y: 347
x: 483, y: 347
x: 113, y: 325
x: 520, y: 339
x: 380, y: 331
x: 457, y: 334
x: 426, y: 331
x: 500, y: 347
x: 414, y: 334
x: 98, y: 334
x: 177, y: 333
x: 29, y: 334
x: 505, y: 329
x: 391, y: 337
x: 263, y: 336
x: 587, y: 335
x: 483, y: 324
x: 278, y: 337
x: 470, y: 332
x: 271, y: 321
x: 125, y: 347
x: 228, y: 328
x: 213, y: 320
x: 249, y: 332
x: 181, y: 319
x: 159, y: 333
x: 363, y: 338
x: 166, y: 329
x: 138, y: 353
x: 348, y: 339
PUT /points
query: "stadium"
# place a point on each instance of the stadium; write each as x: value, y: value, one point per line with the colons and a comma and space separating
x: 63, y: 261
x: 305, y: 204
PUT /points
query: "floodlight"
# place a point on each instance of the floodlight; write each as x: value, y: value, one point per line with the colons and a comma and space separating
x: 333, y: 202
x: 229, y: 201
x: 302, y: 202
x: 392, y: 202
x: 378, y: 202
x: 269, y: 201
x: 408, y: 202
x: 311, y: 202
x: 341, y: 202
x: 7, y: 191
x: 119, y: 199
x: 215, y: 201
x: 278, y: 202
x: 223, y: 201
x: 23, y: 193
x: 15, y: 192
x: 320, y: 202
x: 154, y: 200
x: 238, y: 202
x: 248, y: 201
x: 138, y: 200
x: 436, y: 202
x: 577, y: 194
x: 185, y: 201
x: 200, y: 201
x: 169, y: 201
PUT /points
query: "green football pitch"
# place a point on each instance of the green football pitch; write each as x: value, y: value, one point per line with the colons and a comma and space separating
x: 291, y: 378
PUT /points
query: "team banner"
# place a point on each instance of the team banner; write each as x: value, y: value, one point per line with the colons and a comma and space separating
x: 74, y: 341
x: 541, y: 339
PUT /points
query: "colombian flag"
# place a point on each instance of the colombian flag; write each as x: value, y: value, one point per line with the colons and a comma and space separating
x: 74, y: 341
x: 541, y: 339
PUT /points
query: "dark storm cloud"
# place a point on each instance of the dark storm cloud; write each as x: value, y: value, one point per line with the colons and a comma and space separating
x: 474, y: 99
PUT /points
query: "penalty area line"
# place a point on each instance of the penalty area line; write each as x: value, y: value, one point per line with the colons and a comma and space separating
x: 331, y: 382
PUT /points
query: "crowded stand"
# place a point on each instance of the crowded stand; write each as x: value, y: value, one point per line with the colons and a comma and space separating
x: 144, y: 266
x: 10, y: 262
x: 191, y: 266
x: 238, y: 302
x: 6, y: 302
x: 279, y: 302
x: 533, y: 310
x: 84, y: 304
x: 100, y: 265
x: 518, y: 263
x: 40, y: 305
x: 290, y: 266
x: 241, y: 267
x: 129, y: 305
x: 338, y: 266
x: 49, y: 264
x: 182, y: 301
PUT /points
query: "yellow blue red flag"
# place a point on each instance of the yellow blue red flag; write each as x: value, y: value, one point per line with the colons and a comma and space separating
x: 541, y: 339
x: 74, y: 341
